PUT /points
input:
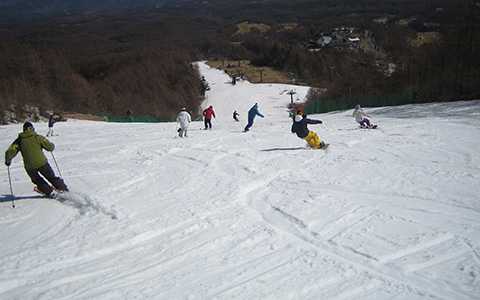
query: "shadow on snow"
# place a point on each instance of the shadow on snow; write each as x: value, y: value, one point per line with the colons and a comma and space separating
x: 8, y: 198
x: 283, y: 149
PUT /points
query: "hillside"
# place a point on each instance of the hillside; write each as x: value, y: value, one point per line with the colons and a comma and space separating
x: 99, y: 57
x: 99, y: 65
x: 391, y: 213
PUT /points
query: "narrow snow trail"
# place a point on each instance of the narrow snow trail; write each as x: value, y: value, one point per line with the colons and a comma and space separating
x: 392, y: 213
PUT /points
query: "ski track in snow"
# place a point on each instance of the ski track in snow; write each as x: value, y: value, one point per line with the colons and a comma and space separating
x: 391, y: 213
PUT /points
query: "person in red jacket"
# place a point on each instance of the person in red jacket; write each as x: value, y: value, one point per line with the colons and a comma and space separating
x: 208, y: 113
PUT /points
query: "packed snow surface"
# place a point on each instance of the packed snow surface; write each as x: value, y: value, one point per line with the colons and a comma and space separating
x: 391, y: 213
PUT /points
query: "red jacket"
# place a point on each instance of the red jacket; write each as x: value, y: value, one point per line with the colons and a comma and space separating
x: 208, y: 113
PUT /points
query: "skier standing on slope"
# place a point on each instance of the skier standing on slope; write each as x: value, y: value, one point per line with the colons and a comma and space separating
x: 252, y: 113
x: 300, y: 128
x: 361, y: 117
x: 208, y: 113
x: 184, y: 119
x: 204, y: 86
x: 51, y: 121
x: 31, y: 145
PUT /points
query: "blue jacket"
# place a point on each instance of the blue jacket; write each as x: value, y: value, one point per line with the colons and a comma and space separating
x: 254, y: 112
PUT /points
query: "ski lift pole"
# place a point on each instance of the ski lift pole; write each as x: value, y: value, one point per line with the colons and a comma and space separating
x: 59, y: 173
x: 11, y: 189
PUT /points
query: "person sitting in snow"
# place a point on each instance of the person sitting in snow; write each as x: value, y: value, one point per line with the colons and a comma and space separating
x: 299, y: 127
x: 208, y: 113
x: 184, y: 119
x: 252, y: 113
x: 31, y: 145
x: 235, y: 115
x: 361, y: 117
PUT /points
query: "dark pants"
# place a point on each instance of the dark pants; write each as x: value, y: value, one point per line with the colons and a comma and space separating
x: 365, y: 122
x: 250, y: 124
x: 208, y: 123
x: 47, y: 172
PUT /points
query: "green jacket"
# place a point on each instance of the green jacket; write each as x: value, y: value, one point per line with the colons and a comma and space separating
x: 31, y: 145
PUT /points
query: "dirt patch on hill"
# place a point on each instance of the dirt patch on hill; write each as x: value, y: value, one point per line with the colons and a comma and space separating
x: 251, y: 73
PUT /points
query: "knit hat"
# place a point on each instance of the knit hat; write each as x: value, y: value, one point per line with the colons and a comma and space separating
x: 27, y: 125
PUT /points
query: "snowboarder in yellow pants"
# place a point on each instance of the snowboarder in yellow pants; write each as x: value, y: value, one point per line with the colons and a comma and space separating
x: 299, y: 127
x: 313, y: 140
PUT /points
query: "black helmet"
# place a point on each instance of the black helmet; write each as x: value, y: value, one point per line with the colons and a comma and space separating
x: 27, y: 125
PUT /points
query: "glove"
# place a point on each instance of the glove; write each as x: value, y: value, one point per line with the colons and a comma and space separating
x: 321, y: 122
x: 7, y: 163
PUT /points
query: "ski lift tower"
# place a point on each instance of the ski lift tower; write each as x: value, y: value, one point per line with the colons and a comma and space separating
x: 291, y: 93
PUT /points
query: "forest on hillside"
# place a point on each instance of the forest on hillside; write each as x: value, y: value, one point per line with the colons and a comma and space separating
x: 108, y: 63
x: 409, y: 52
x: 99, y: 65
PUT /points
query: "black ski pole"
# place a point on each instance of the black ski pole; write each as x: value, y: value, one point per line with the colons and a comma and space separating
x: 60, y: 174
x: 11, y: 190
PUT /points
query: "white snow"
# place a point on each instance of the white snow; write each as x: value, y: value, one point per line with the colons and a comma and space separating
x: 392, y: 213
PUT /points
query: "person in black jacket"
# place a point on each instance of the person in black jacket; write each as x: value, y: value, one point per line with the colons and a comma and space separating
x: 299, y: 127
x: 51, y: 122
x: 235, y: 115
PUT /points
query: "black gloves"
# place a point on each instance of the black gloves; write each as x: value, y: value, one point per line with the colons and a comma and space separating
x: 7, y: 163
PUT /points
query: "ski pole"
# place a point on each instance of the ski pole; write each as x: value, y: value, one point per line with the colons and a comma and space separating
x: 59, y: 173
x: 11, y: 190
x: 323, y: 123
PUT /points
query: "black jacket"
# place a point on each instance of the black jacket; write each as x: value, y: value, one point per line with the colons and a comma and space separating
x: 300, y: 128
x: 51, y: 121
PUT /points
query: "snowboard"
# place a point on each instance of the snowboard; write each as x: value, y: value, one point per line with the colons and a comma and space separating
x: 324, y: 147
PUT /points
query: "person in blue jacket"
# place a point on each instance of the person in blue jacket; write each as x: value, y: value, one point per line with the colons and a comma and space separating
x: 252, y: 113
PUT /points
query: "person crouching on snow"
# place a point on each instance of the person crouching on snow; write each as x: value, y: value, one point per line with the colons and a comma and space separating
x: 299, y: 127
x: 361, y: 117
x: 184, y: 119
x: 235, y: 116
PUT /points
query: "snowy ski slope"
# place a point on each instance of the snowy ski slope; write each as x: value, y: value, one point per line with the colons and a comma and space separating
x: 392, y: 213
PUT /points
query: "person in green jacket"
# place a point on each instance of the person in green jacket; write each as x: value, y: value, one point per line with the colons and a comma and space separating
x: 31, y: 145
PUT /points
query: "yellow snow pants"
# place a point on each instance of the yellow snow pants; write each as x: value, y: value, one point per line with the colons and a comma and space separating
x: 313, y: 140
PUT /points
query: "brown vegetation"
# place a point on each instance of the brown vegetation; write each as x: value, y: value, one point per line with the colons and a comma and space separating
x: 246, y: 27
x: 141, y: 60
x: 250, y: 72
x: 441, y: 66
x: 97, y: 71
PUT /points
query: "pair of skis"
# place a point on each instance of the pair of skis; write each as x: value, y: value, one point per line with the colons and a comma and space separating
x: 55, y: 194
